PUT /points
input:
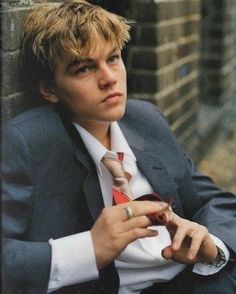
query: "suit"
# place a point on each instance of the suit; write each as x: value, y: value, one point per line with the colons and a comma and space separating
x: 51, y: 189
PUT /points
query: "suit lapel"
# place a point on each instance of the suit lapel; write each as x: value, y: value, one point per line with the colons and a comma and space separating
x: 93, y: 194
x: 91, y: 186
x: 151, y: 165
x: 155, y: 172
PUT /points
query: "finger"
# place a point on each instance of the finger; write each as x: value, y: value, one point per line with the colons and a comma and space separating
x: 174, y: 219
x: 143, y: 207
x: 194, y: 248
x: 162, y: 217
x: 138, y: 233
x: 136, y: 222
x: 180, y: 235
x: 167, y: 253
x: 117, y: 214
x: 165, y: 207
x: 197, y: 239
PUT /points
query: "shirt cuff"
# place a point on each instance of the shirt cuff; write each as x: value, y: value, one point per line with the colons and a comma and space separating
x: 73, y: 261
x: 204, y: 269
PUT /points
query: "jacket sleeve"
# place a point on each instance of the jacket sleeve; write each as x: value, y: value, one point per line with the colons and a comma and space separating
x: 218, y: 208
x: 25, y: 263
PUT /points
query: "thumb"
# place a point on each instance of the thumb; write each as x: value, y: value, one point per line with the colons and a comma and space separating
x: 167, y: 252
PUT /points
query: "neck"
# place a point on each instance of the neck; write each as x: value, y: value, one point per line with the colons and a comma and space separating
x: 100, y: 131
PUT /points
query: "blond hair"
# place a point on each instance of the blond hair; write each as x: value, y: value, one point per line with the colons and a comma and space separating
x: 72, y: 27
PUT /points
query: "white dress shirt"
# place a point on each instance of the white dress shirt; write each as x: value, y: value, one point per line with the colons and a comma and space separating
x: 141, y: 263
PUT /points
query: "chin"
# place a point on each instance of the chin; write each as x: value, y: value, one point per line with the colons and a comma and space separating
x: 118, y: 114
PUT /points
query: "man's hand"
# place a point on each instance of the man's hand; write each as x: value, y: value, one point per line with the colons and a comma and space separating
x: 191, y: 242
x: 113, y: 230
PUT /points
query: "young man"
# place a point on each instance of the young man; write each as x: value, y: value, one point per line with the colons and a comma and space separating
x: 58, y: 235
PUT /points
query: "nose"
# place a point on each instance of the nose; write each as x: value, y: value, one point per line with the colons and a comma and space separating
x: 107, y: 77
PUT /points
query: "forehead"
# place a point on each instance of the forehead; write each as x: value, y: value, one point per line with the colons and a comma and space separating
x: 100, y: 50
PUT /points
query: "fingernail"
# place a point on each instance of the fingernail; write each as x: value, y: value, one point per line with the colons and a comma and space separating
x: 174, y: 246
x: 190, y: 256
x: 154, y: 232
x: 163, y: 204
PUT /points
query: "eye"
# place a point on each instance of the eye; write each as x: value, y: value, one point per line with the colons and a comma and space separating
x: 83, y: 69
x: 113, y: 58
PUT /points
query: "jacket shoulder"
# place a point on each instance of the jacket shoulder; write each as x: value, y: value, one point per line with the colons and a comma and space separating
x: 144, y: 113
x: 34, y: 114
x: 41, y: 126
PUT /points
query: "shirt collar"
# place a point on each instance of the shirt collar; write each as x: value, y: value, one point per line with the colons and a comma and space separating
x: 118, y: 141
x: 118, y: 144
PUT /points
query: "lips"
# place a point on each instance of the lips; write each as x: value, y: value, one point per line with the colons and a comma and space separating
x: 112, y: 95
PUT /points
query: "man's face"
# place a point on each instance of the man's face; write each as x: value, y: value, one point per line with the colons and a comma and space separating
x: 94, y: 89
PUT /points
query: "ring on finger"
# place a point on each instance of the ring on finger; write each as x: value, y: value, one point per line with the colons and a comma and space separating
x: 129, y: 212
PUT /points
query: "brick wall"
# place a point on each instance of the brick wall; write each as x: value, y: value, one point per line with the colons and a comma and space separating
x: 12, y: 100
x: 162, y: 60
x: 217, y: 81
x: 233, y: 28
x: 217, y: 51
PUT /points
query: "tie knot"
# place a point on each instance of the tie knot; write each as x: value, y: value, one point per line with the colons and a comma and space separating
x: 115, y: 166
x: 120, y: 177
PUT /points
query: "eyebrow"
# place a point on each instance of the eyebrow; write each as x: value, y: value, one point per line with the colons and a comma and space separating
x: 77, y: 61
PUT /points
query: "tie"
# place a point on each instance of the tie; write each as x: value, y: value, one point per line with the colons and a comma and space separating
x: 120, y: 190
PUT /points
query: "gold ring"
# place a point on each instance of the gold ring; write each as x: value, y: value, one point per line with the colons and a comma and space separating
x: 129, y: 212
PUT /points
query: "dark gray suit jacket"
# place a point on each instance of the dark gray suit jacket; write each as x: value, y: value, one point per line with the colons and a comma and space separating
x: 51, y: 189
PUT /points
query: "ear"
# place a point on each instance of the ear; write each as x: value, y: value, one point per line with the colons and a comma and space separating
x: 47, y: 92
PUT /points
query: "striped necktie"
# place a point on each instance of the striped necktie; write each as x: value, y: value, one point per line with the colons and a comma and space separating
x: 120, y: 190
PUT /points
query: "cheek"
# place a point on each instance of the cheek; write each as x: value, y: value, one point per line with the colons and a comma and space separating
x: 125, y: 74
x: 71, y: 94
x: 67, y: 97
